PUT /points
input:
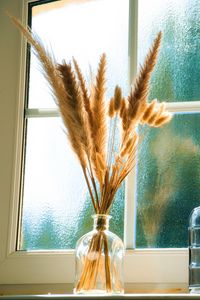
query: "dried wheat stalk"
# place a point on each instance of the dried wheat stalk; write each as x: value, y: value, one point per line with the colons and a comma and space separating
x: 85, y: 114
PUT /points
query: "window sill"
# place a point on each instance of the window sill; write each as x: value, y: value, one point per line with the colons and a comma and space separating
x: 64, y: 291
x: 126, y: 296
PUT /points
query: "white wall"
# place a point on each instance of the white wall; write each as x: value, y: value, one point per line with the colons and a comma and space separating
x: 9, y: 85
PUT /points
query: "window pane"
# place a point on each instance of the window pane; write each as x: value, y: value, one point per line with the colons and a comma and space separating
x: 85, y: 30
x: 168, y: 182
x: 176, y: 76
x: 56, y: 204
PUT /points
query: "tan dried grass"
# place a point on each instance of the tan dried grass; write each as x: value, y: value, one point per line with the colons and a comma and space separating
x: 85, y: 113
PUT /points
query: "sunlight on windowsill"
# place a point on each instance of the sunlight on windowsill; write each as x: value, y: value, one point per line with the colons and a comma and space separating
x: 64, y: 291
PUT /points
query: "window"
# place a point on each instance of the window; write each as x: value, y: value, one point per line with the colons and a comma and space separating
x: 181, y: 90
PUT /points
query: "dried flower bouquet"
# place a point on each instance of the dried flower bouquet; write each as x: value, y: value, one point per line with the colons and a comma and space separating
x: 85, y: 114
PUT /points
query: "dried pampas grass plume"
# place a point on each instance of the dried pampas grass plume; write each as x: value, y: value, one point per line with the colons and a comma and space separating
x: 85, y: 94
x: 149, y: 110
x: 122, y: 108
x: 111, y: 109
x: 139, y: 92
x: 117, y: 98
x: 99, y: 130
x: 137, y: 99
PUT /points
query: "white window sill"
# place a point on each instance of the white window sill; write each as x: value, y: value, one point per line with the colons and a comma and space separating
x: 64, y: 291
x: 125, y: 296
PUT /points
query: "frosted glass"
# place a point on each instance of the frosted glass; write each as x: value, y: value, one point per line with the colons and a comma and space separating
x: 176, y: 76
x: 85, y: 30
x: 56, y: 205
x: 168, y: 182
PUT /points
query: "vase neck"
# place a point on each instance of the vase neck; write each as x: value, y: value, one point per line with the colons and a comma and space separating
x: 101, y: 222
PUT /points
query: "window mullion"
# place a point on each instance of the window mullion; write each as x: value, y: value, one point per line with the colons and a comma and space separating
x: 130, y: 200
x: 41, y: 112
x: 133, y: 39
x: 190, y: 106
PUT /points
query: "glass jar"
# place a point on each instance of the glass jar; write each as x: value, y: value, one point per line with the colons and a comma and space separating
x: 99, y: 260
x: 194, y: 251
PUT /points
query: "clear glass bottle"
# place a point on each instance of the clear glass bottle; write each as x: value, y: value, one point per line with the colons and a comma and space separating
x: 99, y: 260
x: 194, y: 251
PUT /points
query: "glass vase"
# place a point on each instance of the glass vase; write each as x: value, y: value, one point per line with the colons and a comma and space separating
x: 99, y: 260
x: 194, y: 251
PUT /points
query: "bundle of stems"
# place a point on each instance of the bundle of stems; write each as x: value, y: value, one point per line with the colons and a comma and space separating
x: 85, y: 114
x: 96, y: 263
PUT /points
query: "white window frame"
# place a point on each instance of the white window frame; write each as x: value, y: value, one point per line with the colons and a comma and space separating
x: 160, y: 267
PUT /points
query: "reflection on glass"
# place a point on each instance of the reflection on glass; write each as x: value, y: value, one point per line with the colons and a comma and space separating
x: 168, y: 182
x: 56, y: 204
x: 84, y: 30
x: 176, y: 76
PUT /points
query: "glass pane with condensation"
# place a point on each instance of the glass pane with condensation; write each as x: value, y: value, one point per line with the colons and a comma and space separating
x: 176, y: 76
x: 168, y: 182
x: 56, y: 205
x: 82, y: 29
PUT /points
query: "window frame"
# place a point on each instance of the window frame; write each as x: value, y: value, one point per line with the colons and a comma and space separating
x: 168, y: 267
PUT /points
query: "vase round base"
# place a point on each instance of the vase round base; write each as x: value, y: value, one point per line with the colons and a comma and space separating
x: 97, y: 292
